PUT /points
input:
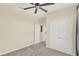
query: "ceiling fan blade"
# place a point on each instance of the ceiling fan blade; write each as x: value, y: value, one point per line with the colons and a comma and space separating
x: 29, y: 7
x: 43, y: 9
x: 36, y: 9
x: 47, y: 4
x: 32, y: 3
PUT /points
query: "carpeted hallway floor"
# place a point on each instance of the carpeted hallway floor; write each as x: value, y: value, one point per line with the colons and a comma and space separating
x: 36, y: 50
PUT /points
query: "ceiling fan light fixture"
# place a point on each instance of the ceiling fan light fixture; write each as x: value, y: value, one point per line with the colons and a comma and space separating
x: 38, y: 6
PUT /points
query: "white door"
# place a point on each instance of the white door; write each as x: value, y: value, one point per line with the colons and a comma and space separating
x: 61, y: 35
x: 37, y: 34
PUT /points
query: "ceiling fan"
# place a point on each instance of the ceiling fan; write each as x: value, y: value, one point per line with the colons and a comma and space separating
x: 38, y: 5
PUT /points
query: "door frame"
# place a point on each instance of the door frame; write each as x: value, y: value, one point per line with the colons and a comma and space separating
x: 77, y: 29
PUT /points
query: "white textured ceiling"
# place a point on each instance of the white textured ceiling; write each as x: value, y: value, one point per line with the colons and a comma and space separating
x: 40, y: 13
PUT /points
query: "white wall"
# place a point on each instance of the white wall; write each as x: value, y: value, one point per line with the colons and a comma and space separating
x: 16, y: 29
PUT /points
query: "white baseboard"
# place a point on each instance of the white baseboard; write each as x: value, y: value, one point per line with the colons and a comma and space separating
x: 14, y: 49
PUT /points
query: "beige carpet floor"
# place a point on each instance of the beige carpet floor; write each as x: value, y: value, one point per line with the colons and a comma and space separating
x: 36, y: 50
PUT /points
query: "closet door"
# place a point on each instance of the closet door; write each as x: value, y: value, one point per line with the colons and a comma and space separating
x: 60, y: 35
